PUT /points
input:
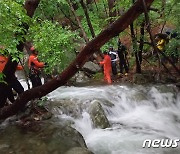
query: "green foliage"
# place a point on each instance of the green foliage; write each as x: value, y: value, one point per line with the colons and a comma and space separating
x: 132, y: 62
x: 98, y: 76
x: 41, y: 102
x: 113, y: 42
x: 172, y: 16
x: 2, y: 76
x: 12, y: 17
x: 97, y: 23
x: 173, y: 47
x: 20, y: 1
x: 172, y: 12
x: 51, y: 9
x: 54, y: 43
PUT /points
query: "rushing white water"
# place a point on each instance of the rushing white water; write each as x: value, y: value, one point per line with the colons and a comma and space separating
x: 139, y: 113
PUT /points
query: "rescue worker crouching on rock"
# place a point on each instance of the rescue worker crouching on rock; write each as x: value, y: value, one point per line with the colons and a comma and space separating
x: 107, y: 67
x: 35, y: 68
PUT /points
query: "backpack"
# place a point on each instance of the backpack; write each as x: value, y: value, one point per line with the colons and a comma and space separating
x: 33, y: 70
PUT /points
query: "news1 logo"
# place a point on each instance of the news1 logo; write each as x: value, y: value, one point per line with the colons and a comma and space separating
x: 163, y: 143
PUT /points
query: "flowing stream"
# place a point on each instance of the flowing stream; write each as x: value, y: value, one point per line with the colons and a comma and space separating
x: 135, y: 113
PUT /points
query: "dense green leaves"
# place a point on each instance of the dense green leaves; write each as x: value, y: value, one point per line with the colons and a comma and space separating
x: 54, y: 43
x: 12, y: 17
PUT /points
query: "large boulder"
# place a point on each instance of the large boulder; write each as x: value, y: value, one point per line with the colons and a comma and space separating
x: 92, y: 66
x: 98, y: 115
x: 40, y: 138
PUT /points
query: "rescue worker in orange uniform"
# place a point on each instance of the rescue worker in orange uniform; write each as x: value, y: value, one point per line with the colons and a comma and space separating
x: 7, y: 92
x: 107, y: 67
x: 3, y: 61
x: 13, y: 83
x: 35, y: 67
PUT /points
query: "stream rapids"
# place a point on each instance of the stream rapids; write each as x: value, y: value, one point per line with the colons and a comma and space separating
x: 135, y: 113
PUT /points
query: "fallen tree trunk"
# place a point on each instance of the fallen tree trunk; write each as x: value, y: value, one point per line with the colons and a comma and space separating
x: 94, y: 45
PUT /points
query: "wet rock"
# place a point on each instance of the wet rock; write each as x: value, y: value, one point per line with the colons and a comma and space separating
x: 46, y: 116
x: 106, y: 102
x: 67, y: 107
x: 92, y: 66
x: 98, y: 116
x: 48, y: 138
x: 78, y: 150
x: 167, y: 89
x: 80, y: 77
x: 138, y: 96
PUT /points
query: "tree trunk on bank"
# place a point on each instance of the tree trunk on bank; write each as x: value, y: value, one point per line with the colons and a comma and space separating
x: 113, y: 30
x: 87, y: 18
x: 163, y: 8
x: 79, y: 22
x: 112, y: 12
x: 141, y: 42
x: 97, y: 57
x: 135, y: 47
x: 30, y: 6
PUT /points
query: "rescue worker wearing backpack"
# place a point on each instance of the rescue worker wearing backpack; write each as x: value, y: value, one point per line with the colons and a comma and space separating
x: 35, y: 68
x: 122, y: 53
x: 114, y: 58
x: 107, y: 67
x: 161, y: 44
x: 12, y: 82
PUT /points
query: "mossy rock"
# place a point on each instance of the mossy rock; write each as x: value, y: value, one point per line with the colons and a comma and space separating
x: 98, y: 116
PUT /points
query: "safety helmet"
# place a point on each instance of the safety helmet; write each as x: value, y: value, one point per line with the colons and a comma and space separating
x: 32, y: 48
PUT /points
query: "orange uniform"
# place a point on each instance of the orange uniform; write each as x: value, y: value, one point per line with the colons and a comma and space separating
x: 33, y: 59
x: 107, y: 68
x: 3, y: 61
x: 34, y: 66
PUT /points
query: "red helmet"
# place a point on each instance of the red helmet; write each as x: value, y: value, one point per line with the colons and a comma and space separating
x: 32, y: 48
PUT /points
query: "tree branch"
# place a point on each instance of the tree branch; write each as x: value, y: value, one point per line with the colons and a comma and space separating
x: 113, y: 30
